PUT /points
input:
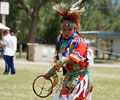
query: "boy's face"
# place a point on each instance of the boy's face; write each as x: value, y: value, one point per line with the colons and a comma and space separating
x: 67, y: 32
x: 5, y: 34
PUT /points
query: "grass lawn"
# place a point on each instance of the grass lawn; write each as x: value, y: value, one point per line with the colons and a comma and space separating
x: 19, y: 86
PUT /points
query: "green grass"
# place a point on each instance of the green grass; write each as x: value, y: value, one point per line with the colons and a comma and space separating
x: 19, y: 86
x: 106, y: 61
x: 106, y: 83
x: 23, y: 55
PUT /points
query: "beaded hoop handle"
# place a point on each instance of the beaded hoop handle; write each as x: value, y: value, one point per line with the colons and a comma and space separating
x: 42, y: 87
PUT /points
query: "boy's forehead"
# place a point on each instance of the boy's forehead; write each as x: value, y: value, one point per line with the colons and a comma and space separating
x: 67, y: 28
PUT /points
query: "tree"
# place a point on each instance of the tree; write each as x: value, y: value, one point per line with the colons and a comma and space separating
x: 34, y: 14
x: 99, y: 15
x: 18, y: 21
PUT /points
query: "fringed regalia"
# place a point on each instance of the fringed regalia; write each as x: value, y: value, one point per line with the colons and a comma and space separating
x: 77, y: 83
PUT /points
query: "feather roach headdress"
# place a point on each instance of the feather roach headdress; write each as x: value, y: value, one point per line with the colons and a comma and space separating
x: 70, y: 11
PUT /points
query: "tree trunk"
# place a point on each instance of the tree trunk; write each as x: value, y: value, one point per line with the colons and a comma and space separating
x: 34, y: 21
x: 33, y: 29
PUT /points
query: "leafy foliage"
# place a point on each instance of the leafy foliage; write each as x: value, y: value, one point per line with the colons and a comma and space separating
x: 100, y: 15
x: 18, y: 21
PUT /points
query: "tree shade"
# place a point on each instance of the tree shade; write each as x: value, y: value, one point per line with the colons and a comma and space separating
x: 100, y: 15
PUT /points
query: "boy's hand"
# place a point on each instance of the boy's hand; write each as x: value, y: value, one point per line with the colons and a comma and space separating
x: 55, y: 67
x: 47, y: 76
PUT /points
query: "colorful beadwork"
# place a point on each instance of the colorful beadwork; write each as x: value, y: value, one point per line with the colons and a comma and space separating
x: 59, y: 63
x: 68, y: 24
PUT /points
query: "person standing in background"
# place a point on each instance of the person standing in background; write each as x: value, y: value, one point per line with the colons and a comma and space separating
x: 8, y: 46
x: 15, y: 43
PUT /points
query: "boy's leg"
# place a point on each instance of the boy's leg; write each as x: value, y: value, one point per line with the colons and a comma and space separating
x: 11, y: 64
x: 6, y: 65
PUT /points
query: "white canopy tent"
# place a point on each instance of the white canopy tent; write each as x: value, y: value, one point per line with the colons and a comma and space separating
x: 3, y: 27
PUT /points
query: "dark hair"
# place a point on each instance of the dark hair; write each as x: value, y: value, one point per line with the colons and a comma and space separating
x: 5, y: 31
x: 58, y: 44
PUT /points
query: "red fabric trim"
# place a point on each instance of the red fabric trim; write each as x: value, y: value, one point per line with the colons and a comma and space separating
x: 70, y: 67
x: 65, y: 91
x: 78, y: 89
x: 70, y: 16
x: 81, y: 96
x: 91, y: 89
x: 81, y: 77
x: 76, y: 61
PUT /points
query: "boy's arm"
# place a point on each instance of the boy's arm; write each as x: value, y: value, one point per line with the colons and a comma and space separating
x: 2, y: 45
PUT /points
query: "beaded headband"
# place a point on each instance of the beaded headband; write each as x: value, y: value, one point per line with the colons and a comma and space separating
x: 68, y: 24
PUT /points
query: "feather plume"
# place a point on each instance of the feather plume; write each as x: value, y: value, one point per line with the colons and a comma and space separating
x: 67, y: 9
x: 77, y: 4
x: 62, y: 8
